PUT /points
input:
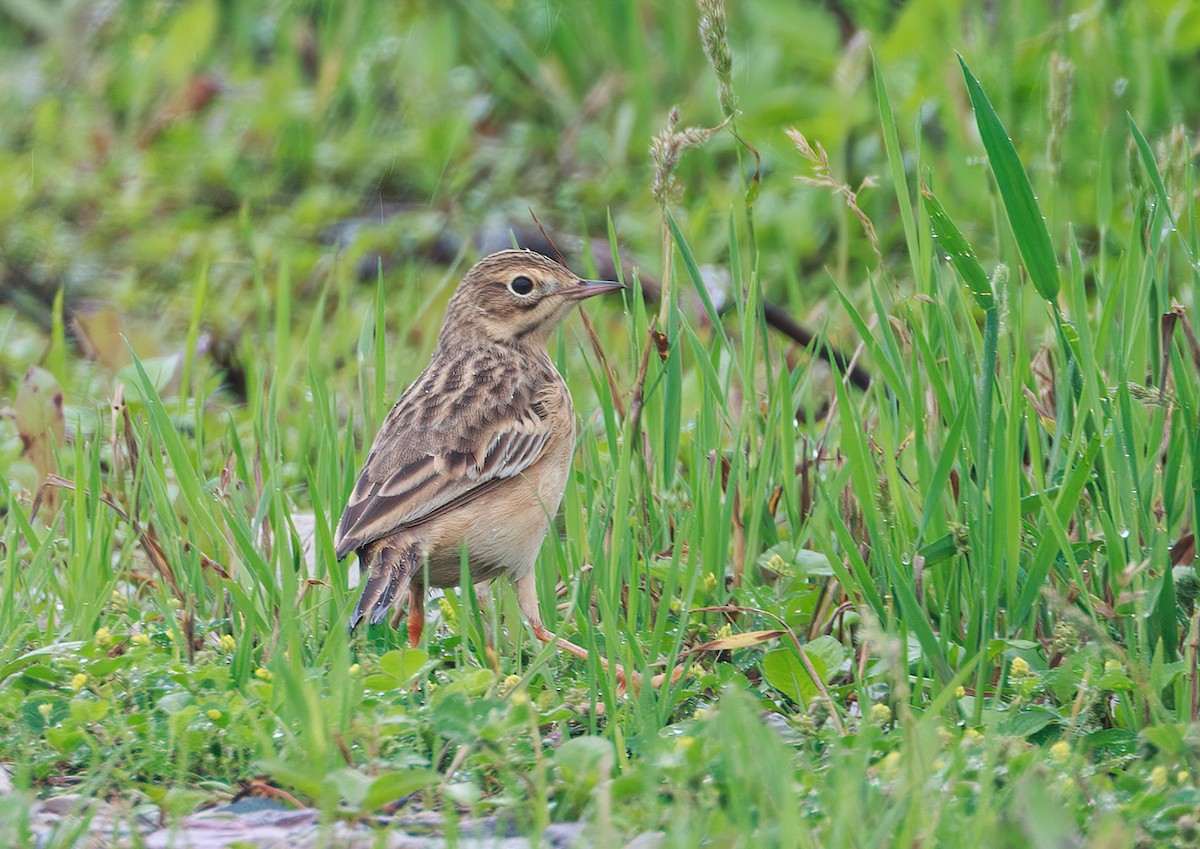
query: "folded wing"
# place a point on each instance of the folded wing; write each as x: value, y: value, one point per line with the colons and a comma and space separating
x: 431, y: 458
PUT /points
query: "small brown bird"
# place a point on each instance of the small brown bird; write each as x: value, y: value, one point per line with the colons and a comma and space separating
x: 475, y: 453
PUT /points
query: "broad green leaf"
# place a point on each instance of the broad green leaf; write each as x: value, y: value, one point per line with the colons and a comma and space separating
x: 785, y: 672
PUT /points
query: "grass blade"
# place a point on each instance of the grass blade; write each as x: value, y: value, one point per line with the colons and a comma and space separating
x: 1020, y: 204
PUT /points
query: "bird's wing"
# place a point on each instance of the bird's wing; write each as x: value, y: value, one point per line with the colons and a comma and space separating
x: 454, y: 434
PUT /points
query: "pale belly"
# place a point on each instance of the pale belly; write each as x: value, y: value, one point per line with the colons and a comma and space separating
x: 503, y: 531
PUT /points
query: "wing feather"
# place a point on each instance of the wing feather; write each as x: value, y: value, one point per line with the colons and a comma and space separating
x: 440, y: 449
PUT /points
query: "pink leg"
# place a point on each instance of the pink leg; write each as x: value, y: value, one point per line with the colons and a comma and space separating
x: 527, y: 601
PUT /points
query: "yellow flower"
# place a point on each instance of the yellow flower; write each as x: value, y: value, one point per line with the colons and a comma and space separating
x: 103, y: 637
x: 263, y: 674
x: 213, y: 714
x: 354, y: 669
x: 1110, y: 665
x: 78, y: 680
x: 227, y: 643
x: 174, y: 603
x: 972, y: 736
x: 1019, y: 668
x: 449, y: 615
x: 724, y: 631
x: 1158, y: 777
x: 140, y: 639
x: 960, y: 692
x: 709, y: 582
x: 880, y: 713
x: 44, y: 709
x: 1060, y: 752
x: 1183, y: 776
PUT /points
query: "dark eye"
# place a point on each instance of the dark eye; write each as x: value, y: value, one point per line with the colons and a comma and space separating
x: 521, y: 285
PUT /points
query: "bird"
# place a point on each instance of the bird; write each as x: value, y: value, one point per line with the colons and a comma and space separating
x: 476, y: 452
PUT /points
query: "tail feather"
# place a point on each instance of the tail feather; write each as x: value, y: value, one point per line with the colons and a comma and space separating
x: 390, y: 571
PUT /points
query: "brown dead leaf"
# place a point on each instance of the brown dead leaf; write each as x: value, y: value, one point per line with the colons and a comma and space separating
x: 744, y: 640
x: 38, y: 411
x: 661, y: 343
x: 1183, y: 552
x: 98, y: 331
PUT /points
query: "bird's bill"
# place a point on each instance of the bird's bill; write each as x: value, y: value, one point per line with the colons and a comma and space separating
x: 590, y: 288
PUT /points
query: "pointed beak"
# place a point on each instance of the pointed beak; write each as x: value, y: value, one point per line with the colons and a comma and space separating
x: 588, y: 288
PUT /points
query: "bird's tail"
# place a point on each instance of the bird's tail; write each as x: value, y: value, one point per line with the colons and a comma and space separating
x: 390, y: 570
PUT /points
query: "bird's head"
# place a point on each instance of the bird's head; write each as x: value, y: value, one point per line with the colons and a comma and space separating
x: 515, y: 296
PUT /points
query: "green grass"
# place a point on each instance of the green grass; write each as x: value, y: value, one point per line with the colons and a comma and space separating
x: 954, y: 609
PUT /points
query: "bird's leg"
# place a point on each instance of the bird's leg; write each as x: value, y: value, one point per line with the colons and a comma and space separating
x: 527, y: 600
x: 416, y: 614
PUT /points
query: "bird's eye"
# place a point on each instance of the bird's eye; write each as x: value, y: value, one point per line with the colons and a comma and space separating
x: 520, y: 285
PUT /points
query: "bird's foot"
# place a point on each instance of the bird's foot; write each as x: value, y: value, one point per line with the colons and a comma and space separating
x: 626, y: 681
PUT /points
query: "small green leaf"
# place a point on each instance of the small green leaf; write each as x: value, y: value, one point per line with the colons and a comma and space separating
x: 1170, y: 739
x: 403, y: 665
x: 65, y: 740
x: 86, y: 711
x: 393, y: 786
x: 42, y: 674
x: 1113, y: 742
x: 1164, y: 616
x: 785, y: 559
x: 584, y: 758
x: 1026, y: 723
x: 1151, y: 166
x: 941, y: 549
x: 1115, y: 679
x: 962, y: 257
x: 381, y: 682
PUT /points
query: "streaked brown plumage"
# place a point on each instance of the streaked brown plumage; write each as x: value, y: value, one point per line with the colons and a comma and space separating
x: 476, y: 451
